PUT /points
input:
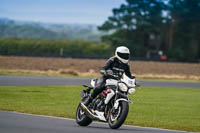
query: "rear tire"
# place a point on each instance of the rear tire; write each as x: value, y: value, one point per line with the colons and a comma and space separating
x: 81, y: 118
x: 121, y: 117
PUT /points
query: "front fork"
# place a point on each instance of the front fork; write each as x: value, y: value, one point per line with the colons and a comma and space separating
x: 123, y: 98
x: 116, y: 104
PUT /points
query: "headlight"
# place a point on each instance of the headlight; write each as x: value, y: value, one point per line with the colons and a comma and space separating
x: 123, y: 87
x: 131, y: 90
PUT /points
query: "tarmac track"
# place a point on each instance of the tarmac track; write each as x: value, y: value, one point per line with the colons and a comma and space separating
x: 42, y: 80
x: 12, y: 122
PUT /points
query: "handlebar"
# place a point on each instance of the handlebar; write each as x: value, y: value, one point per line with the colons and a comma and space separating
x: 110, y: 74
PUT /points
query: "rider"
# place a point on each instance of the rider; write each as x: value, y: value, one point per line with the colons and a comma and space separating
x: 116, y: 65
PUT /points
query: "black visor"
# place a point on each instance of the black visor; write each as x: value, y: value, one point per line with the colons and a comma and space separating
x: 123, y: 55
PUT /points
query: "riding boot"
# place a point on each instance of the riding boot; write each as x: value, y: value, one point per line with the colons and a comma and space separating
x: 87, y: 100
x: 97, y: 90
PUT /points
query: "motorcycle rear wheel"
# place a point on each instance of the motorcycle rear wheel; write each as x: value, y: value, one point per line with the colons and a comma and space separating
x: 117, y: 119
x: 81, y: 118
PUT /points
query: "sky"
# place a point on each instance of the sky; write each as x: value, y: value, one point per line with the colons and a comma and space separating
x: 59, y: 11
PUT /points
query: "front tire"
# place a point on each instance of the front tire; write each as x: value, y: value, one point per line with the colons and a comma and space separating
x: 117, y: 119
x: 81, y: 118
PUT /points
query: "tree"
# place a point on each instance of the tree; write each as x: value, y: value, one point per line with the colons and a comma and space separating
x: 133, y: 23
x: 185, y: 21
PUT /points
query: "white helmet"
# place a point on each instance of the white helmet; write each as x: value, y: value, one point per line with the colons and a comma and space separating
x: 122, y: 53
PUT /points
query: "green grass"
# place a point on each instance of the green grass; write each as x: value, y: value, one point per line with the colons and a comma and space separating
x: 171, y: 108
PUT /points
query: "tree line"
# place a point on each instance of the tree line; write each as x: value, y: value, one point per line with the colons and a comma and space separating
x: 145, y: 26
x: 149, y: 26
x: 54, y: 48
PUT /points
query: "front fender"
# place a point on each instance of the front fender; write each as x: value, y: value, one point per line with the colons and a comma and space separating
x: 116, y: 105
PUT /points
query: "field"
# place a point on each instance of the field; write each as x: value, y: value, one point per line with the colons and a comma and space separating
x: 85, y: 67
x: 170, y: 108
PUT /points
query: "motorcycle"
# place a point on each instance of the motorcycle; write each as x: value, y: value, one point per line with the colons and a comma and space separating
x: 109, y: 106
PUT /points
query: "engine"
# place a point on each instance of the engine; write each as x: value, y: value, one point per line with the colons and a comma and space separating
x: 99, y: 102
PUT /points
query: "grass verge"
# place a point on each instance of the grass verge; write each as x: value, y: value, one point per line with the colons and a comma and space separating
x: 90, y: 74
x: 170, y: 108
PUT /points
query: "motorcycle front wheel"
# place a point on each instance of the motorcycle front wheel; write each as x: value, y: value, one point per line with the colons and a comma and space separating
x: 118, y: 116
x: 81, y: 118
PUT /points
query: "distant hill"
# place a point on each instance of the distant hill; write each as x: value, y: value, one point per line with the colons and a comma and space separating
x: 23, y: 29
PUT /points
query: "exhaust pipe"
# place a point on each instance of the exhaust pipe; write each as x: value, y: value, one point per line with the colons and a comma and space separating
x: 88, y: 112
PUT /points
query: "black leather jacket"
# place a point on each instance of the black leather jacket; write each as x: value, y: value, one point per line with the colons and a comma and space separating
x: 117, y: 67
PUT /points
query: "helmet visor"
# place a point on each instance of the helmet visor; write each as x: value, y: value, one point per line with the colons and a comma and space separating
x: 123, y: 55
